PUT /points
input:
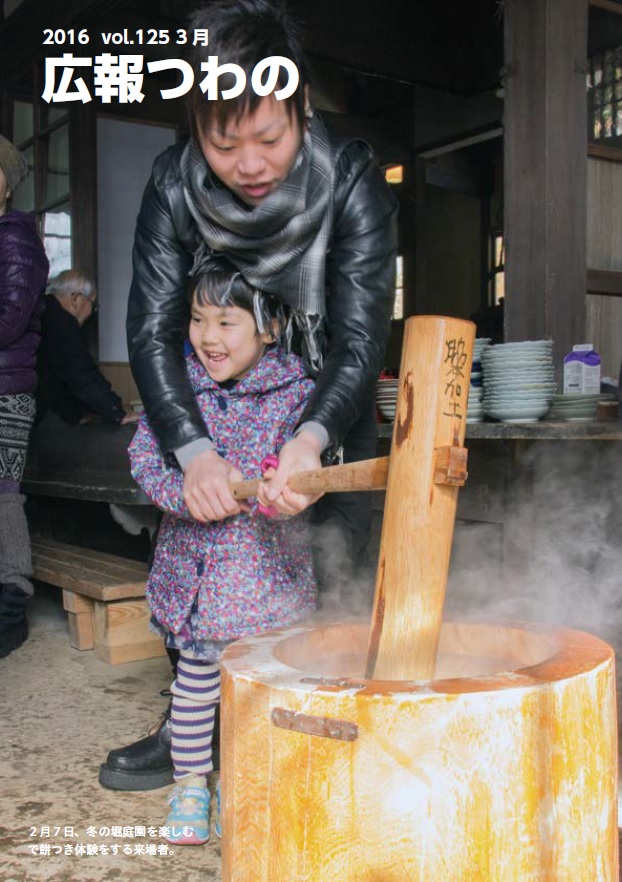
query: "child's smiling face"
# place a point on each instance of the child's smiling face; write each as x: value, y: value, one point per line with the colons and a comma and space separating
x: 226, y: 340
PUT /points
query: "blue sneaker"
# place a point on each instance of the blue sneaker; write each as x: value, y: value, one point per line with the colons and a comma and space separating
x: 188, y: 821
x: 217, y: 827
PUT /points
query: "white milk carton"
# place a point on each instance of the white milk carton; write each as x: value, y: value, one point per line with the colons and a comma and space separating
x: 582, y: 370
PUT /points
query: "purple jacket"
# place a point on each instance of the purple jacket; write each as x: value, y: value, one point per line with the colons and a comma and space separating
x: 248, y: 573
x: 23, y: 276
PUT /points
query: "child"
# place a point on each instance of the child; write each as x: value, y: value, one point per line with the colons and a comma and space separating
x: 212, y: 583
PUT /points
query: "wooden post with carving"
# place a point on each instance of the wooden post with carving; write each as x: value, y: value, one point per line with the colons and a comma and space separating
x: 426, y: 468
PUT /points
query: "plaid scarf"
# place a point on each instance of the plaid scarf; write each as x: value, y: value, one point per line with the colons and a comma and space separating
x: 280, y: 245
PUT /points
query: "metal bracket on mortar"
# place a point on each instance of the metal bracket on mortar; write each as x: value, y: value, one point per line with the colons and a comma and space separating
x: 322, y: 726
x: 332, y: 683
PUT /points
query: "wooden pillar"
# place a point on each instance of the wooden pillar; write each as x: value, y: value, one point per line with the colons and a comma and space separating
x: 416, y: 304
x: 83, y: 180
x: 545, y: 122
x: 83, y: 187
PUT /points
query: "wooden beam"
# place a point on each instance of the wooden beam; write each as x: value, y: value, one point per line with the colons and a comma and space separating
x: 602, y: 151
x: 467, y: 139
x: 545, y: 123
x: 608, y: 282
x: 607, y: 5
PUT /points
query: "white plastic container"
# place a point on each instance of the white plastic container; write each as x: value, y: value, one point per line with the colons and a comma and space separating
x: 582, y: 370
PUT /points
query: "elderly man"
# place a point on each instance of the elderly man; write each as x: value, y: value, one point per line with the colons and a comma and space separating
x: 70, y: 383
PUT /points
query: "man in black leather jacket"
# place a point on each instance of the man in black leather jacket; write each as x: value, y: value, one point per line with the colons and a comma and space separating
x: 302, y: 215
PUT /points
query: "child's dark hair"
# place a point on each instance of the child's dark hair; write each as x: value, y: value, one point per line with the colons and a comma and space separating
x: 243, y: 32
x: 220, y: 284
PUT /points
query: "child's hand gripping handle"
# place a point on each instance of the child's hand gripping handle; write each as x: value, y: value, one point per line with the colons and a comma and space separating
x: 269, y: 462
x: 369, y: 474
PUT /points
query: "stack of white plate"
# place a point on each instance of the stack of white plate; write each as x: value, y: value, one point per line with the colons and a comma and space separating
x: 475, y: 412
x: 519, y: 381
x: 386, y: 397
x: 577, y: 407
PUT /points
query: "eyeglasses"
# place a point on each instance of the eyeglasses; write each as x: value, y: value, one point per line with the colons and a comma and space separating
x: 93, y: 303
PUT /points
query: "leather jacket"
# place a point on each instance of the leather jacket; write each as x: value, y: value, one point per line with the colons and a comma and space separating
x: 360, y: 289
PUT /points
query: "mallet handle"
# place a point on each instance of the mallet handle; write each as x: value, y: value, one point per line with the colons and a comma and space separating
x: 369, y: 474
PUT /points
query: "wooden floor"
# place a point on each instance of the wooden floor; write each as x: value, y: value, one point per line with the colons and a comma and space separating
x: 62, y: 710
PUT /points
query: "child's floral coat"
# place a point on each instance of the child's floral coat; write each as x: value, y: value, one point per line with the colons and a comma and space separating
x: 248, y: 573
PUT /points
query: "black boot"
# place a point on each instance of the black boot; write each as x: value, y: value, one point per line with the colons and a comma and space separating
x: 13, y: 622
x: 147, y: 764
x: 143, y: 765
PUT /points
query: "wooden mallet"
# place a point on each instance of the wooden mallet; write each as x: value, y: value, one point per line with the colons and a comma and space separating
x: 426, y: 467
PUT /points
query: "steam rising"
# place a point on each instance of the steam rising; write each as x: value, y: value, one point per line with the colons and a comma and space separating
x: 557, y: 557
x: 553, y: 556
x: 346, y: 576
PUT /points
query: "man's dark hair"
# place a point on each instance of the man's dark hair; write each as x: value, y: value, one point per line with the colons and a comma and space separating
x: 243, y: 32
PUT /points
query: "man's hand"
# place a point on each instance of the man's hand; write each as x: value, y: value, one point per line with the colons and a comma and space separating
x: 300, y: 454
x: 206, y: 488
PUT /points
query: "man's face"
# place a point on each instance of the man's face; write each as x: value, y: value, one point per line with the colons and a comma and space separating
x: 78, y: 305
x: 253, y: 155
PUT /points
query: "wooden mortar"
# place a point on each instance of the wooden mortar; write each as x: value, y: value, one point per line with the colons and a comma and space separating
x: 503, y: 771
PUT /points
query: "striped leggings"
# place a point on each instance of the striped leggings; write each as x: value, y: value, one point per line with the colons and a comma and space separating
x: 196, y: 693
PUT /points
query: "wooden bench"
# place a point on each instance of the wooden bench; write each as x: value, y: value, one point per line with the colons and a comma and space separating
x: 104, y: 598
